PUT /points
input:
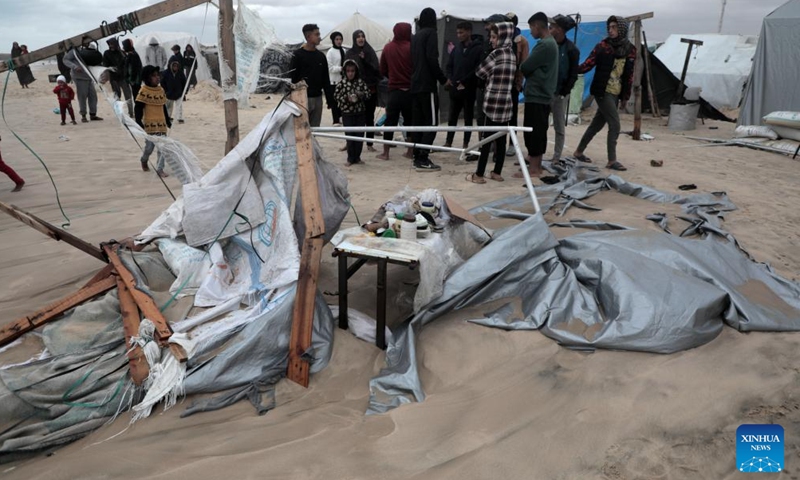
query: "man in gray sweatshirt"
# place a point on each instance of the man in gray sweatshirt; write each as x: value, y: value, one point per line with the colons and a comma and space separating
x: 83, y: 85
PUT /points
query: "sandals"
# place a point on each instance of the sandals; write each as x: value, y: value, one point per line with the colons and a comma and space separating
x: 496, y: 177
x: 616, y: 166
x: 582, y: 158
x: 473, y: 178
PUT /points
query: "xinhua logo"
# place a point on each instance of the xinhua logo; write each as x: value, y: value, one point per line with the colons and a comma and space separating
x: 759, y: 448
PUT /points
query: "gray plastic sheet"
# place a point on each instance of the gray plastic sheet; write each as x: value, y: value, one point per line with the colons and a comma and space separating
x: 613, y: 288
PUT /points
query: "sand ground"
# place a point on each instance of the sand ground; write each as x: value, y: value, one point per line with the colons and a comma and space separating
x: 500, y: 404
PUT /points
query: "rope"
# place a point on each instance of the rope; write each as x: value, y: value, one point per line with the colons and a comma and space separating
x: 3, y: 112
x: 66, y: 397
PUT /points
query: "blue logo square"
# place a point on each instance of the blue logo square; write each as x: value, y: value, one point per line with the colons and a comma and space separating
x: 759, y: 448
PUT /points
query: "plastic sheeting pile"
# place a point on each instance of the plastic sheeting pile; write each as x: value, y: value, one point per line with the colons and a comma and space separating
x: 616, y: 288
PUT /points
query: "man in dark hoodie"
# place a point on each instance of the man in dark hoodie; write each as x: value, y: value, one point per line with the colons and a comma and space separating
x: 114, y: 59
x: 461, y: 67
x: 425, y: 58
x: 133, y: 67
x: 173, y: 80
x: 397, y: 66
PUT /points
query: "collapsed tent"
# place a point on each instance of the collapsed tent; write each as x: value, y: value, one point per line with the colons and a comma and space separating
x: 615, y: 288
x: 167, y: 40
x: 720, y: 66
x: 772, y: 85
x: 228, y: 243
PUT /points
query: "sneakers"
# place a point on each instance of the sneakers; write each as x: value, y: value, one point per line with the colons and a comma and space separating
x: 145, y: 168
x: 95, y: 118
x: 180, y: 120
x: 511, y: 151
x: 74, y: 122
x: 63, y: 123
x: 83, y: 119
x: 426, y: 166
x: 18, y: 186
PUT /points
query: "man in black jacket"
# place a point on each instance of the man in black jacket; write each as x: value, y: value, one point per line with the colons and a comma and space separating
x: 114, y: 59
x: 311, y: 65
x: 461, y: 67
x: 425, y: 57
x: 173, y: 80
x: 568, y: 58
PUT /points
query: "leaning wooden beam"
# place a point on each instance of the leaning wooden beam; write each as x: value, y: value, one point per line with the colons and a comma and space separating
x: 145, y: 303
x: 123, y: 23
x: 19, y: 327
x: 102, y: 274
x: 311, y: 253
x: 637, y: 80
x: 139, y: 369
x: 52, y: 231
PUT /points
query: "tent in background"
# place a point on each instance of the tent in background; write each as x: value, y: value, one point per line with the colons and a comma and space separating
x: 167, y: 40
x: 773, y: 80
x: 720, y: 66
x: 377, y: 35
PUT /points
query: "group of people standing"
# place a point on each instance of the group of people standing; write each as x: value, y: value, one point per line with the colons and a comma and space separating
x: 487, y: 74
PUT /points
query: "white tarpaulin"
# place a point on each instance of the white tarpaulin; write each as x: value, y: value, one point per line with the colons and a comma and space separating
x: 773, y: 80
x: 253, y: 37
x: 720, y: 66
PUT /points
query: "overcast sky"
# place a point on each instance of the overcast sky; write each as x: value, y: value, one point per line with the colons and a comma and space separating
x: 39, y: 23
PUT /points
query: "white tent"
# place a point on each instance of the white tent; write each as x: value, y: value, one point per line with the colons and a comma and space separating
x: 377, y: 35
x: 773, y: 82
x: 167, y: 40
x: 720, y: 66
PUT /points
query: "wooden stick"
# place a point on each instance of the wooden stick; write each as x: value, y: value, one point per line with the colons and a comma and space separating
x: 311, y: 253
x: 637, y: 81
x: 52, y: 231
x: 139, y: 17
x: 228, y: 55
x: 16, y: 329
x: 656, y: 110
x: 145, y: 303
x: 137, y: 363
x: 639, y: 18
x: 102, y: 274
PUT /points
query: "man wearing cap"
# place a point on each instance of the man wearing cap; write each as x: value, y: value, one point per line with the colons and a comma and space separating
x: 568, y: 59
x: 521, y: 49
x: 541, y: 80
x: 155, y: 55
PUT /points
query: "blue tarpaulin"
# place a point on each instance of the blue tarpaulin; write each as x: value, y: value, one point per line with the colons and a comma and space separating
x: 589, y: 35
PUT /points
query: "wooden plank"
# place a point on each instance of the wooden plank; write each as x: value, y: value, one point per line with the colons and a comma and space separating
x: 52, y: 231
x: 303, y: 312
x: 19, y: 327
x: 307, y: 172
x: 650, y: 91
x: 311, y: 253
x: 640, y: 17
x: 139, y: 17
x: 637, y: 81
x: 137, y: 363
x: 228, y: 50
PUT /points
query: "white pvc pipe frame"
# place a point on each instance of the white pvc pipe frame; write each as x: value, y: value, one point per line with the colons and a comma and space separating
x: 326, y: 132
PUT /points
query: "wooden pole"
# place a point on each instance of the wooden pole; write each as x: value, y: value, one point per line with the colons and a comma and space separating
x: 137, y: 363
x: 637, y: 81
x: 130, y: 20
x: 52, y: 231
x: 311, y: 253
x: 227, y: 64
x: 17, y: 328
x: 656, y: 110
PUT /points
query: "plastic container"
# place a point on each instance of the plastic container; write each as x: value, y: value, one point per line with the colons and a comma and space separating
x: 683, y: 117
x: 427, y: 207
x: 408, y: 230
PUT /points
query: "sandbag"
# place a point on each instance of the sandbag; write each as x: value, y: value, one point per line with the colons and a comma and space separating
x: 744, y: 131
x: 788, y: 133
x: 784, y: 119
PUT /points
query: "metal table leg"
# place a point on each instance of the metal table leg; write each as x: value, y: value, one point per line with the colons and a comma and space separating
x: 343, y: 290
x: 380, y: 335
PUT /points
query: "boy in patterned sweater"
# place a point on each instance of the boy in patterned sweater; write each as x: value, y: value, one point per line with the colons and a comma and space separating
x: 350, y: 95
x: 151, y: 114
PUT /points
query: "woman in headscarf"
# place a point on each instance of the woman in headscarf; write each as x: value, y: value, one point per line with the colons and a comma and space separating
x: 613, y: 58
x: 369, y: 70
x: 189, y: 67
x: 24, y: 74
x: 336, y: 57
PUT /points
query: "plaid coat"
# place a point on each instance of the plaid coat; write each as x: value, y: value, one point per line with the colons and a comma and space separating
x: 499, y: 71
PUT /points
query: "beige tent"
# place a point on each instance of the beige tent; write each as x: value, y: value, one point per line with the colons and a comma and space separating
x: 377, y: 35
